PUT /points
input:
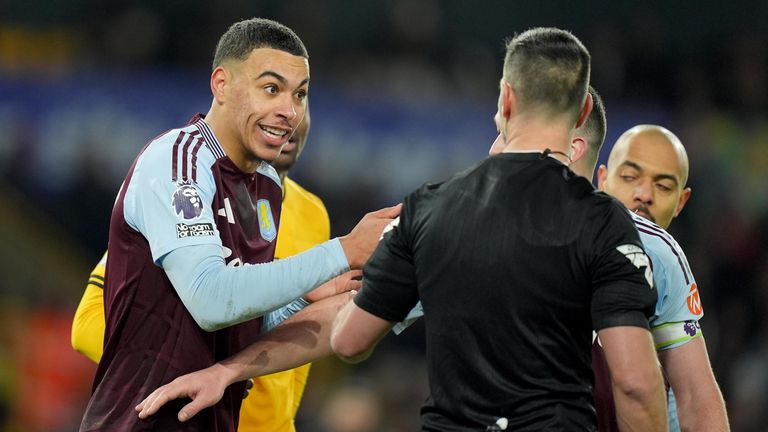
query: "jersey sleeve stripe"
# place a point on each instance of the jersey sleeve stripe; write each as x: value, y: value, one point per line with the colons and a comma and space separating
x: 640, y: 221
x: 671, y: 247
x: 185, y: 176
x: 648, y: 224
x: 96, y: 283
x: 175, y: 156
x: 194, y: 158
x: 95, y: 276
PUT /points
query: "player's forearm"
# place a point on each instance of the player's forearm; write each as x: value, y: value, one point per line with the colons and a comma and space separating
x: 219, y: 296
x: 638, y: 388
x: 643, y: 408
x: 303, y: 338
x: 702, y: 410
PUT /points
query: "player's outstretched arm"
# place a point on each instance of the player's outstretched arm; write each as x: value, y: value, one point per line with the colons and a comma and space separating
x: 303, y: 338
x: 700, y: 405
x: 638, y: 388
x: 359, y: 244
x: 218, y: 295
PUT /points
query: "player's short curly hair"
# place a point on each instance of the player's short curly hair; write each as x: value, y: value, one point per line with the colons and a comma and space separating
x: 549, y: 70
x: 244, y: 36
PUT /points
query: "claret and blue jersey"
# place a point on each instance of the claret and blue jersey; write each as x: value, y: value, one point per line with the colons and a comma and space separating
x: 181, y: 191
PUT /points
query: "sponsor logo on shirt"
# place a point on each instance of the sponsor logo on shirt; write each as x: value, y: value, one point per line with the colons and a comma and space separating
x: 186, y: 202
x: 193, y: 230
x: 639, y: 259
x: 694, y: 302
x: 267, y: 226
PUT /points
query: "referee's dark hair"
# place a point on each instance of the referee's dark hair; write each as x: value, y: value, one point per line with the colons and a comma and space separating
x: 244, y: 36
x: 549, y: 70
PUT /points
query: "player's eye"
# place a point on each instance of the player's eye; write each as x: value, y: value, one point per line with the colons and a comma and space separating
x: 271, y: 89
x: 628, y: 178
x: 301, y: 94
x: 664, y: 188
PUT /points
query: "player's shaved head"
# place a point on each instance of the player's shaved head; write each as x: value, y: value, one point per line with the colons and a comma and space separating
x: 647, y: 135
x: 647, y: 171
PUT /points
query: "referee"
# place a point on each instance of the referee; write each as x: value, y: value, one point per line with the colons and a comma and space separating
x: 516, y: 260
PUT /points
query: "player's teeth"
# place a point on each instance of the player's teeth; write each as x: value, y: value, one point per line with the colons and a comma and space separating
x: 275, y: 132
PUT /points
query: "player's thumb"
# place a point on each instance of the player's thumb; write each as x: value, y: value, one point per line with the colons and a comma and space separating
x: 189, y: 410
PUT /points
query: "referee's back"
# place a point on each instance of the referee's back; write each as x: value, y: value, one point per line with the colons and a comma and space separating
x: 516, y: 262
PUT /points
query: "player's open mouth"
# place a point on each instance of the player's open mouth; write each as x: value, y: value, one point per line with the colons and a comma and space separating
x: 274, y: 132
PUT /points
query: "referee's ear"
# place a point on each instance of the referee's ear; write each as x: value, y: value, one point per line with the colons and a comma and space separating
x: 578, y: 148
x: 507, y: 101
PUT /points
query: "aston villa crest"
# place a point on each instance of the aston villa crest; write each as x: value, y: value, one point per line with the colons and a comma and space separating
x: 267, y: 226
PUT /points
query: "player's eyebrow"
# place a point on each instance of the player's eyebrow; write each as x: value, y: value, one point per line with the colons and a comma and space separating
x: 274, y: 75
x: 666, y: 177
x: 632, y: 165
x: 280, y: 78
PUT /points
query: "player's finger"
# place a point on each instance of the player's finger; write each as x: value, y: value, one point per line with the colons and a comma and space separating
x: 156, y: 400
x: 353, y: 285
x: 355, y: 274
x: 388, y: 212
x: 143, y: 405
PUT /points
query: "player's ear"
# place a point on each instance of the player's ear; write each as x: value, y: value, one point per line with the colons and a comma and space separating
x: 219, y: 79
x: 585, y: 110
x: 684, y: 197
x: 602, y: 175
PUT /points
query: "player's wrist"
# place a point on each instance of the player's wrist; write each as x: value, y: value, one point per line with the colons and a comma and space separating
x: 347, y: 245
x: 229, y: 372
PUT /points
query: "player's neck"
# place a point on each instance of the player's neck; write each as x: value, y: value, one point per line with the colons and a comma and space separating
x: 283, y: 174
x: 228, y: 140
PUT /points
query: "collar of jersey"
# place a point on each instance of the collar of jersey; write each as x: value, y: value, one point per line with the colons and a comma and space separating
x: 209, y: 137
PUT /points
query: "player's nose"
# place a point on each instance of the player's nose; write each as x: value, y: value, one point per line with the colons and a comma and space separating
x: 644, y: 191
x: 286, y: 107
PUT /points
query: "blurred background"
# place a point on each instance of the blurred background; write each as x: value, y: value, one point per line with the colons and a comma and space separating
x: 402, y: 93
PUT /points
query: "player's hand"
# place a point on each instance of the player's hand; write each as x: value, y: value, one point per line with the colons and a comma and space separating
x: 205, y: 387
x: 351, y: 280
x: 359, y: 244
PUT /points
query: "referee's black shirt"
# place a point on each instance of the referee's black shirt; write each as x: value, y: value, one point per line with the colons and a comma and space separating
x: 515, y: 261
